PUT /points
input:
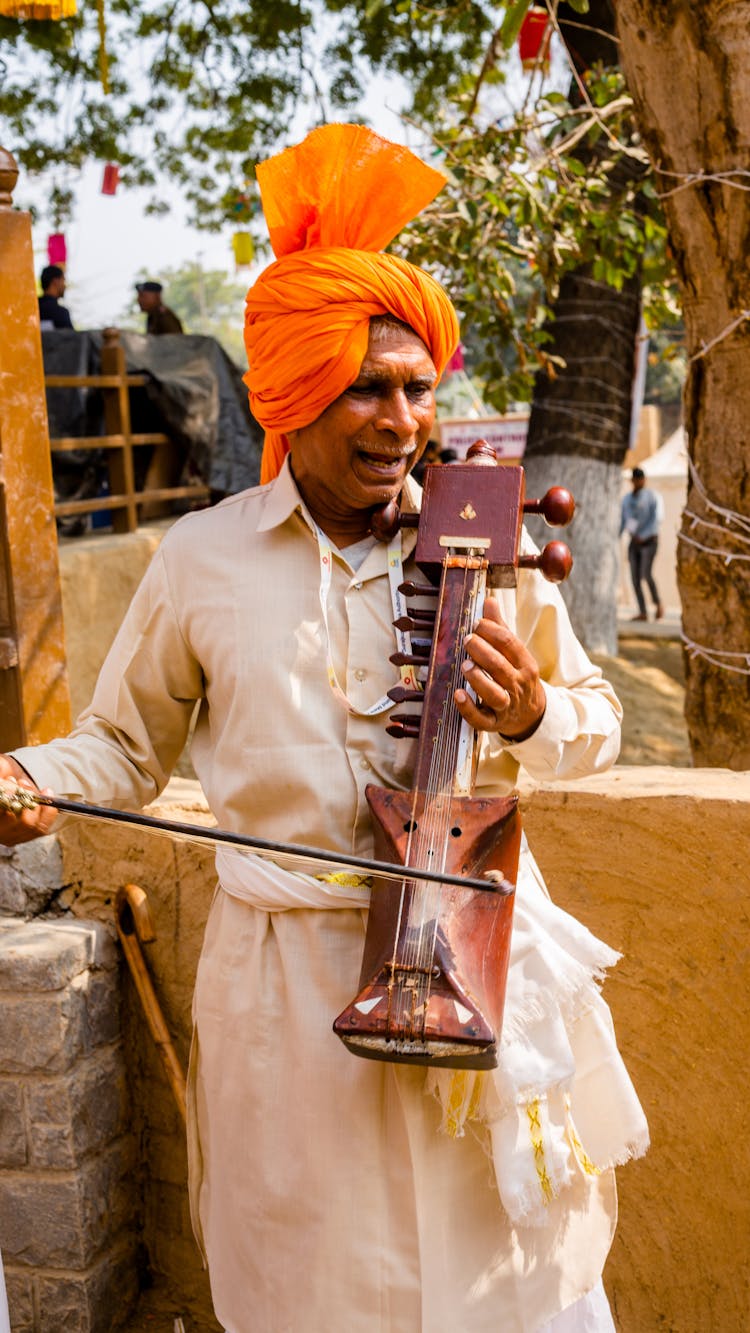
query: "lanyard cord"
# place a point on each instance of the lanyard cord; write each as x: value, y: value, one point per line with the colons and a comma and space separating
x: 403, y: 638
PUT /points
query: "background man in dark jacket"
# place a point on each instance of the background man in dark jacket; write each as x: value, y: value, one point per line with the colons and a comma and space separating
x: 159, y: 318
x: 52, y: 315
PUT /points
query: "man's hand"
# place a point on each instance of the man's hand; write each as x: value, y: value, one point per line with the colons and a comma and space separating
x: 15, y: 829
x: 505, y: 678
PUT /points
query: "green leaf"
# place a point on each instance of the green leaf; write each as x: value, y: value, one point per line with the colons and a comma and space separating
x: 511, y: 24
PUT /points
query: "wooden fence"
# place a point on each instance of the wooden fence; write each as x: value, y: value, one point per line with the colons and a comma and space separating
x: 125, y: 503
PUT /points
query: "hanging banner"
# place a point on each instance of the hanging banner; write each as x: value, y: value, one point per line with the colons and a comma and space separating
x: 507, y: 434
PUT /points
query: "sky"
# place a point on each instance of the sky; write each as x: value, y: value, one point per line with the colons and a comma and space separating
x: 112, y: 239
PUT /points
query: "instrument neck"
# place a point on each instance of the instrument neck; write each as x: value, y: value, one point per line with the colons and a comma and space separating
x: 447, y: 750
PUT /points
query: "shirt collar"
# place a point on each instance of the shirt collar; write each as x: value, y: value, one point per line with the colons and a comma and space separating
x: 282, y: 499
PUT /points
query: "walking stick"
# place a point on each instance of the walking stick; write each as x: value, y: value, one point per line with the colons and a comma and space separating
x: 134, y: 926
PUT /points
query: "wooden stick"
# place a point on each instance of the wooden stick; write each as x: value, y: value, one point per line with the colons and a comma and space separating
x: 134, y: 926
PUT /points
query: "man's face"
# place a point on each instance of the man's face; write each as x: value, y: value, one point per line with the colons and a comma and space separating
x: 639, y: 483
x: 57, y: 288
x: 149, y: 300
x: 359, y: 451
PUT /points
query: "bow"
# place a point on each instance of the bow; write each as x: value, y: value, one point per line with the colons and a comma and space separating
x: 14, y: 800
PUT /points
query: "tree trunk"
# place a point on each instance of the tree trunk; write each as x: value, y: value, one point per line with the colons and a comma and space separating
x: 578, y: 435
x: 580, y: 421
x: 686, y: 65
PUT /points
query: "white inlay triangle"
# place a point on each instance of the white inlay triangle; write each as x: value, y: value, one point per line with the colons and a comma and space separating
x: 366, y: 1006
x: 463, y: 1014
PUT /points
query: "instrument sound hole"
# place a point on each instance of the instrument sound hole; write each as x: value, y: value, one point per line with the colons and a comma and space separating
x: 410, y: 826
x: 456, y: 832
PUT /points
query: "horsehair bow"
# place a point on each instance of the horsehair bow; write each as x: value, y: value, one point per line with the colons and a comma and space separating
x: 15, y: 800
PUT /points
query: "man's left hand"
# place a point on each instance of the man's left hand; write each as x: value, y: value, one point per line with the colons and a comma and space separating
x: 505, y: 678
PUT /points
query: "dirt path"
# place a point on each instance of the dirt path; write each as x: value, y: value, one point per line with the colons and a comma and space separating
x: 649, y: 679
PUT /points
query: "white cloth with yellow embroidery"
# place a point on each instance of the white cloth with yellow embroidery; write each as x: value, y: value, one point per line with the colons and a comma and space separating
x: 326, y: 1193
x: 560, y: 1082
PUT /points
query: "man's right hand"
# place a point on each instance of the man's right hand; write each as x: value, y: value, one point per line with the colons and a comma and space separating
x: 15, y: 829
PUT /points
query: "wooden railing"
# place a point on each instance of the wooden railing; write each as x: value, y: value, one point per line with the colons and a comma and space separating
x: 124, y: 501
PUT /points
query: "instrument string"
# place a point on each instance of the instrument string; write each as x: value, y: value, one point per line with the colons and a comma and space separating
x: 442, y: 831
x: 432, y: 841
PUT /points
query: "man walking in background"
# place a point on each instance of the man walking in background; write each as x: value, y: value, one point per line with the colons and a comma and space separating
x: 641, y: 515
x: 159, y: 318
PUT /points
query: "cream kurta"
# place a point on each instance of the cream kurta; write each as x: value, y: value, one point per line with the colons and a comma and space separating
x: 329, y: 1198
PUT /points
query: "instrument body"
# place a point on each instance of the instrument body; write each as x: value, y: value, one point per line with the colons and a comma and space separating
x: 434, y: 971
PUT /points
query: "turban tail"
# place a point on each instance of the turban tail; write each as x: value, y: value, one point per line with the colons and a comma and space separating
x: 330, y: 204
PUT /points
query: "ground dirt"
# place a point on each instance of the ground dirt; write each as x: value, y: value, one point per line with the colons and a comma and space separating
x: 649, y: 678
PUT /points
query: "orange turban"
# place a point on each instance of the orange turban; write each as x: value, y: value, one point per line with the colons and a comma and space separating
x: 331, y: 203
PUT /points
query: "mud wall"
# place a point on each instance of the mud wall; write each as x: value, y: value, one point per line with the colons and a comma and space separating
x: 650, y: 859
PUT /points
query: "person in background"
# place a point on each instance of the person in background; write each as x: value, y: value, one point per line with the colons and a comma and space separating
x: 159, y: 318
x: 52, y: 315
x: 640, y: 517
x: 430, y: 456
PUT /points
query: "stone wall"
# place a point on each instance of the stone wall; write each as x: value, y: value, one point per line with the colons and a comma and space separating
x: 67, y: 1156
x: 179, y: 880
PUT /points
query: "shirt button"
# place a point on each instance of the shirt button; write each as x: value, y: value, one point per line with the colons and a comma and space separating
x: 364, y: 763
x: 357, y: 587
x: 360, y: 674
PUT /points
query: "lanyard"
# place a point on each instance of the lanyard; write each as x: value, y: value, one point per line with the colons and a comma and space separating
x: 403, y: 638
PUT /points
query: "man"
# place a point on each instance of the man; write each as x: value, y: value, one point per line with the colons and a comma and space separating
x: 159, y: 318
x: 640, y: 517
x: 325, y: 1193
x: 52, y: 315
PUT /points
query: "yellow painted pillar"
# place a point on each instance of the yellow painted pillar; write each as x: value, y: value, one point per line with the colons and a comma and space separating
x: 34, y: 699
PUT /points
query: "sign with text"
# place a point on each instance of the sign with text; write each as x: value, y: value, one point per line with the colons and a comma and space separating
x: 506, y: 434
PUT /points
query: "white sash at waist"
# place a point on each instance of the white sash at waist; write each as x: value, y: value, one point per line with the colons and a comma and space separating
x: 264, y: 884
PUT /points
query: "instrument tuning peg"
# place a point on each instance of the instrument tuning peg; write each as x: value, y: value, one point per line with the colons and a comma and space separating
x: 403, y: 730
x: 557, y: 507
x: 416, y: 621
x: 482, y: 453
x: 411, y: 589
x: 417, y: 657
x: 555, y: 562
x: 386, y: 521
x: 401, y: 694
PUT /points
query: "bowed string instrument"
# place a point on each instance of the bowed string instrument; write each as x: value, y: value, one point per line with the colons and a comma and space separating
x: 437, y: 944
x: 432, y: 984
